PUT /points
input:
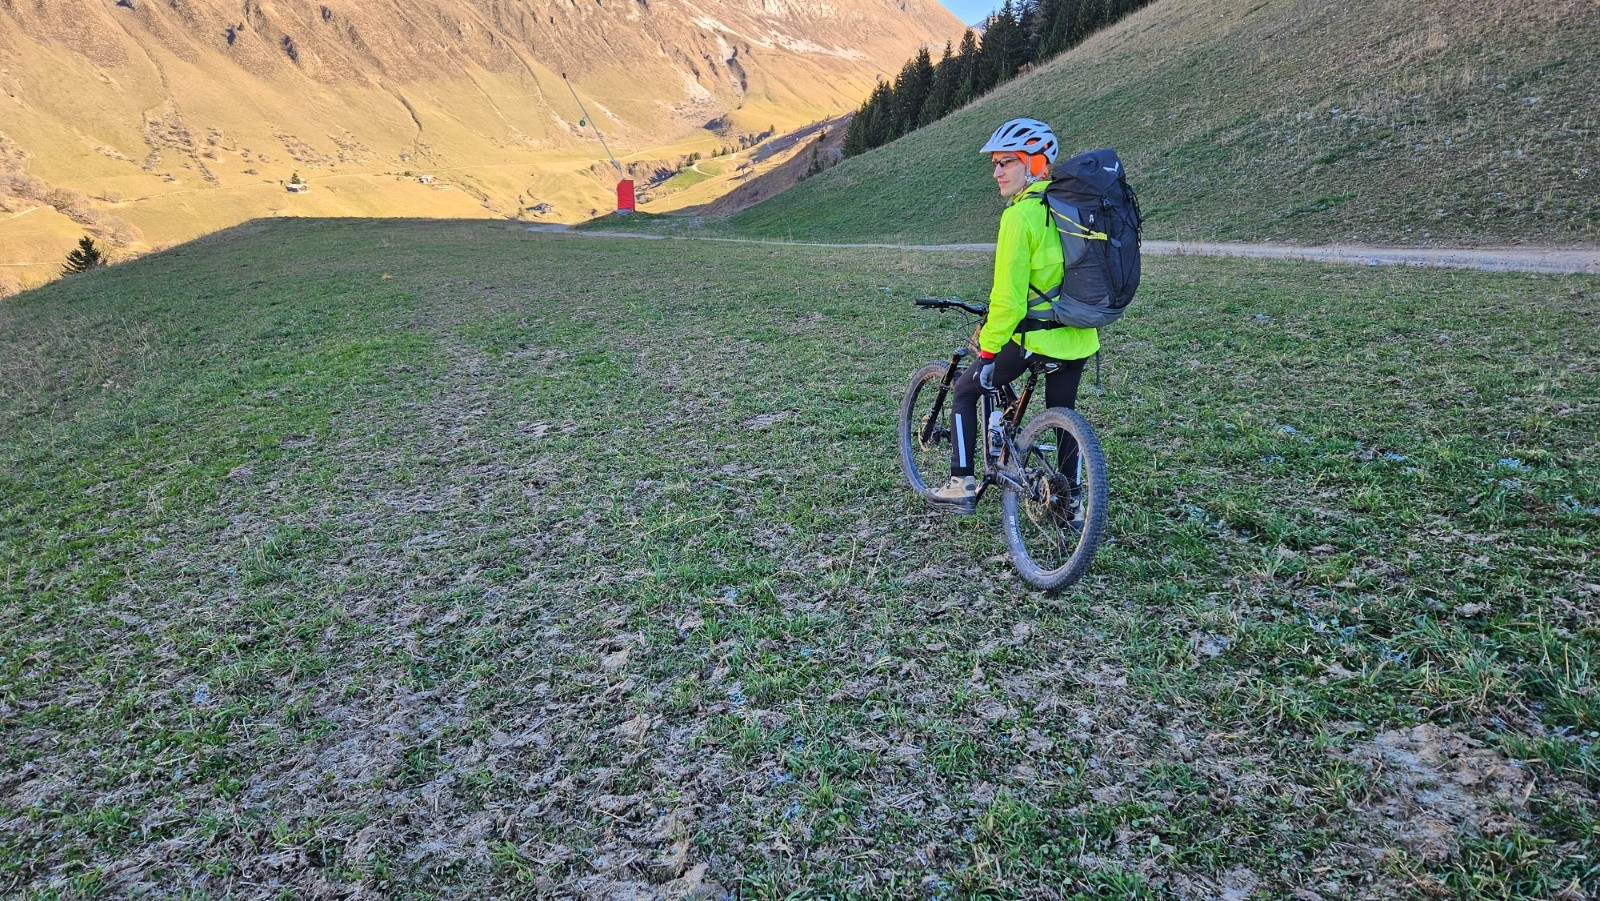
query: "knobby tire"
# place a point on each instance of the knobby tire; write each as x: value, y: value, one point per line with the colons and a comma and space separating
x: 1051, y: 549
x: 926, y: 463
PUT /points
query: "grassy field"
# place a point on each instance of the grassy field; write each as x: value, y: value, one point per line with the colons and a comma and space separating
x: 444, y: 560
x: 688, y: 178
x: 1468, y: 123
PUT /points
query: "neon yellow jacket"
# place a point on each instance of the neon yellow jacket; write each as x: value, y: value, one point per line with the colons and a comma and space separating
x: 1028, y: 249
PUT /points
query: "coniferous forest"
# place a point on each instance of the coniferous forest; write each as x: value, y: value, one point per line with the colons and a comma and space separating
x: 1021, y: 33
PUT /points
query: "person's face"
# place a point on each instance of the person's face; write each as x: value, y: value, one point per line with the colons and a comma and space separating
x: 1010, y: 173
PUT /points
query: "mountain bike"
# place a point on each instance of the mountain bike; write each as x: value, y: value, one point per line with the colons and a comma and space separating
x: 1051, y: 471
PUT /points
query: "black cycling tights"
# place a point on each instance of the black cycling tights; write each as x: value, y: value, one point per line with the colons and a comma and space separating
x: 1060, y: 390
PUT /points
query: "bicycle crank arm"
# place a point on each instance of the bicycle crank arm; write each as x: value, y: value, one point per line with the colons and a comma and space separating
x: 1009, y: 482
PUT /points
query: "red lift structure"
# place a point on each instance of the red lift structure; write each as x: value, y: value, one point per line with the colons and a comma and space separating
x: 625, y: 201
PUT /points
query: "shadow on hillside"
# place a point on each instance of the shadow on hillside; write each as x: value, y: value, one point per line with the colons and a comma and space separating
x: 283, y: 225
x: 266, y: 224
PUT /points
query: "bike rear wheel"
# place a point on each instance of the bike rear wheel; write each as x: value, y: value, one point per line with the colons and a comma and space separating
x: 925, y: 435
x: 1054, y: 526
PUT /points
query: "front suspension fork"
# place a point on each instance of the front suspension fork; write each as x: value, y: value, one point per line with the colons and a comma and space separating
x: 944, y: 392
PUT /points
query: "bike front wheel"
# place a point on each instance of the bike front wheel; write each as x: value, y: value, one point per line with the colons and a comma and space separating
x: 925, y: 435
x: 1055, y: 520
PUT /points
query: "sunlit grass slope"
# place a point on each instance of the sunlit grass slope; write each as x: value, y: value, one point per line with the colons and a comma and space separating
x: 1306, y: 120
x: 450, y: 561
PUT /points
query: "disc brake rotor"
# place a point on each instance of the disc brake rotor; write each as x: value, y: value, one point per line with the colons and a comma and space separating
x: 1050, y: 501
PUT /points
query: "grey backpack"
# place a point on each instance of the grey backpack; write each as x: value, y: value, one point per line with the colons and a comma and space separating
x: 1096, y: 213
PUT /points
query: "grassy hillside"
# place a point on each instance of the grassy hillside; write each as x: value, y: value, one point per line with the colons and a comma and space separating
x: 446, y: 560
x: 1294, y: 120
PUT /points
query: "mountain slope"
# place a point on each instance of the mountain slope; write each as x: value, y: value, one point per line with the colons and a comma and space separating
x: 1305, y: 120
x: 166, y: 120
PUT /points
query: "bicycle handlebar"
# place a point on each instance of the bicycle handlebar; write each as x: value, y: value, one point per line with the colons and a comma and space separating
x: 949, y: 303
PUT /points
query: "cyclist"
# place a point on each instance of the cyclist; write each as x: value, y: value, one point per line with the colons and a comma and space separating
x: 1027, y: 254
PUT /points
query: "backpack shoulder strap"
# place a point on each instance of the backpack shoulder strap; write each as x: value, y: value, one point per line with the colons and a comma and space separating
x: 1050, y: 221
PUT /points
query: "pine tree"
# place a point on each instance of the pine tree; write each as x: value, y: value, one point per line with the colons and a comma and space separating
x: 1012, y: 42
x: 911, y: 91
x: 1093, y: 15
x: 855, y: 136
x: 1021, y: 31
x: 942, y: 91
x: 871, y: 126
x: 1062, y: 31
x: 879, y: 113
x: 1004, y: 48
x: 1044, y: 22
x: 1028, y: 18
x: 86, y: 257
x: 987, y: 64
x: 966, y: 75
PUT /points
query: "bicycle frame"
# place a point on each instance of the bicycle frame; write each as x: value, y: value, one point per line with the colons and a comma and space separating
x: 1004, y: 464
x: 1003, y: 467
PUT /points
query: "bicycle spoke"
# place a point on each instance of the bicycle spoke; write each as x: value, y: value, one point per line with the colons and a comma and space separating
x: 1049, y: 519
x: 1064, y: 514
x: 925, y: 434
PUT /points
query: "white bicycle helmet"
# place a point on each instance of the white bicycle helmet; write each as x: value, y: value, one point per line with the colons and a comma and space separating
x: 1028, y: 136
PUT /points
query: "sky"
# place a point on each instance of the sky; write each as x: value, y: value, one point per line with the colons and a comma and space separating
x: 971, y: 11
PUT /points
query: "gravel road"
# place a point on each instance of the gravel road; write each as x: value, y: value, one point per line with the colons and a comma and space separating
x: 1559, y: 260
x: 1507, y: 259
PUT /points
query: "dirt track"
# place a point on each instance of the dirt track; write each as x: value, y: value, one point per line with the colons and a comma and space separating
x: 1579, y: 261
x: 1492, y: 259
x: 1508, y: 259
